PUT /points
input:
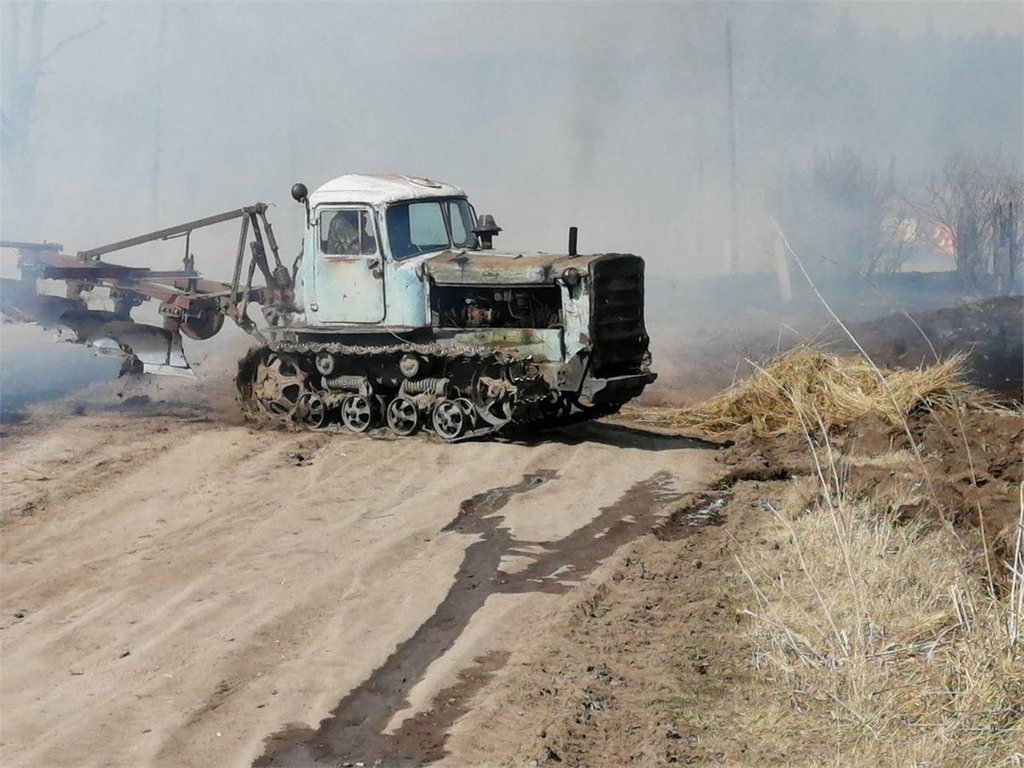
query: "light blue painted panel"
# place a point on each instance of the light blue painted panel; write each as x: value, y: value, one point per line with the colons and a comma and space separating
x: 406, y: 296
x: 349, y: 290
x: 406, y: 292
x: 346, y: 288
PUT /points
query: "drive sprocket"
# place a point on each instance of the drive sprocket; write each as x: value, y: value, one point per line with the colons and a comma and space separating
x: 277, y: 386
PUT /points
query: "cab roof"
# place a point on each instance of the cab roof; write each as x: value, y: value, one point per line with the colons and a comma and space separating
x: 380, y: 188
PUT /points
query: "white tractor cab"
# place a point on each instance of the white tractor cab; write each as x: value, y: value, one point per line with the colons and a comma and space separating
x: 366, y: 241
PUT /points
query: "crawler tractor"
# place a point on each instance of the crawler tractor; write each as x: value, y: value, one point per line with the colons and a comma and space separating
x: 397, y: 311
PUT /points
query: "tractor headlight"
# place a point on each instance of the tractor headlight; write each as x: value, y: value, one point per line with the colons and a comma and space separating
x: 571, y: 277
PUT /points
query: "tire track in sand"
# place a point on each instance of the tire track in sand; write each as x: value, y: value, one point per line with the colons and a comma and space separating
x: 356, y: 729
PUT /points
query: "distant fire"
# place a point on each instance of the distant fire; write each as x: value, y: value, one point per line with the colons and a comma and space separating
x: 916, y: 231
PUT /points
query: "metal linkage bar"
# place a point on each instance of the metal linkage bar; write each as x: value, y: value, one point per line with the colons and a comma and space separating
x: 180, y: 229
x: 46, y: 247
x: 259, y: 252
x: 99, y: 272
x: 243, y: 236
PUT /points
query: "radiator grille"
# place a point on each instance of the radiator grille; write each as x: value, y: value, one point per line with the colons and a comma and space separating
x: 617, y: 330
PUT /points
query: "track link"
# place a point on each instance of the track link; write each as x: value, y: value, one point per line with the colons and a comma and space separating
x: 459, y: 393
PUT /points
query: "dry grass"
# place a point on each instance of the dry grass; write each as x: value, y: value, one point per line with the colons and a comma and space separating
x: 882, y: 647
x: 834, y: 390
x: 876, y: 640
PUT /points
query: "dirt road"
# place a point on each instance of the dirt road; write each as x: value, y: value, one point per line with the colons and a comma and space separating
x: 178, y: 592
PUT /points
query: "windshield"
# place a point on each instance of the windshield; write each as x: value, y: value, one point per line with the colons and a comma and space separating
x: 429, y: 225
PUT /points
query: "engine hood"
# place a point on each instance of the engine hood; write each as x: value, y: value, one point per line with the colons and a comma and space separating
x: 496, y: 268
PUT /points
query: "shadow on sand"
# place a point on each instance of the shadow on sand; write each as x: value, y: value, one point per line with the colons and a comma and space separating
x: 616, y: 435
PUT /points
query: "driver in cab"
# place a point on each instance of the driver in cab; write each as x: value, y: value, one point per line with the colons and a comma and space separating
x: 349, y: 234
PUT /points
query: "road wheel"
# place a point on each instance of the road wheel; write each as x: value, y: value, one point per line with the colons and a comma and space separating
x: 358, y: 413
x: 450, y: 420
x: 403, y: 417
x: 312, y: 410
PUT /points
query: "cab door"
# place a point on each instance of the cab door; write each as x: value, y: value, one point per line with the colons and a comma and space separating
x: 348, y: 273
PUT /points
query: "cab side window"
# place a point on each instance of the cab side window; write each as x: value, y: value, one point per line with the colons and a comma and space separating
x: 347, y: 233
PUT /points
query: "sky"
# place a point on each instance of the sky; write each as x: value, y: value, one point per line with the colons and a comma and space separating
x: 609, y: 116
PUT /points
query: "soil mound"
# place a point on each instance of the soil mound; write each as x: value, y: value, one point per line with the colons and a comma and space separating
x: 923, y: 442
x: 990, y: 332
x: 963, y: 467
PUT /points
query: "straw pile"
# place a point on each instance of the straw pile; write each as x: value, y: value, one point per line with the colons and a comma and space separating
x: 807, y: 388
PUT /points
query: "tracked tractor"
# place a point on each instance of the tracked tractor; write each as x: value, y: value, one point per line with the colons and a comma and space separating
x: 398, y: 311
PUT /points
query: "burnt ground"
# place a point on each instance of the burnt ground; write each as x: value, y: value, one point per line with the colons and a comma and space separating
x: 991, y: 332
x: 714, y: 352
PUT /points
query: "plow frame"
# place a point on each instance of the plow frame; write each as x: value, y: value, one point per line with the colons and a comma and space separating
x: 185, y: 297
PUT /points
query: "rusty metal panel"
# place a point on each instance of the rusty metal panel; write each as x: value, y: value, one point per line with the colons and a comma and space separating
x: 476, y: 268
x: 542, y: 344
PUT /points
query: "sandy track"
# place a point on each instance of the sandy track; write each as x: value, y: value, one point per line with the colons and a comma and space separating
x: 175, y: 593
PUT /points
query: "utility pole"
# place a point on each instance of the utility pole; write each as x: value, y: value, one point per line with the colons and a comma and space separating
x: 698, y: 199
x: 158, y: 94
x: 734, y: 246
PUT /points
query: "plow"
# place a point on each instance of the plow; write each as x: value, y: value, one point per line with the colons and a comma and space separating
x: 397, y: 312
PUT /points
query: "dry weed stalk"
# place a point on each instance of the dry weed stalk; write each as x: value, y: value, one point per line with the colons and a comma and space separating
x: 957, y: 408
x: 1015, y: 613
x: 884, y: 643
x: 884, y: 638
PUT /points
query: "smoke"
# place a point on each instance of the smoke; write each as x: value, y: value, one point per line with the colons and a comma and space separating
x: 603, y: 113
x: 607, y: 116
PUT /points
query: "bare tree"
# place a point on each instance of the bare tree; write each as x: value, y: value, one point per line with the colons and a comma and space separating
x: 965, y: 199
x: 838, y: 208
x: 21, y: 67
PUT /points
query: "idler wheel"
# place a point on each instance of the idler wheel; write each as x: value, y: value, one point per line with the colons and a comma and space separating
x: 403, y: 416
x: 358, y: 413
x: 450, y: 419
x: 277, y: 385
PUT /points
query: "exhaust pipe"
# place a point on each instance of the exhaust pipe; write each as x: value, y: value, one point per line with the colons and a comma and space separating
x: 573, y: 231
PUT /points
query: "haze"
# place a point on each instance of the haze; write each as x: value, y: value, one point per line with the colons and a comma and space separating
x: 608, y: 116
